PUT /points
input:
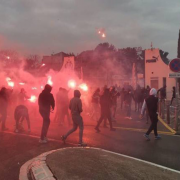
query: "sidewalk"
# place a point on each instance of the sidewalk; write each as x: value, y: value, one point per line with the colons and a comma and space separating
x: 96, y: 164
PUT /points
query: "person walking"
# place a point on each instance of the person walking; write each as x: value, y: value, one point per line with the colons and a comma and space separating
x: 173, y: 94
x: 3, y: 107
x: 76, y: 109
x: 128, y: 101
x: 46, y: 102
x: 105, y: 103
x: 95, y: 104
x: 151, y: 102
x: 64, y: 103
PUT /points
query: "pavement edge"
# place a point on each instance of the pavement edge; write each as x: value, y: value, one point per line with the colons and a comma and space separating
x: 39, y: 170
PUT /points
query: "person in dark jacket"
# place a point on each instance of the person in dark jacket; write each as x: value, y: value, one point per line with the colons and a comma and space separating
x: 105, y: 103
x: 128, y: 101
x: 64, y: 103
x: 173, y: 94
x: 46, y: 102
x: 95, y: 103
x: 21, y: 113
x: 76, y: 109
x: 152, y: 106
x: 122, y: 97
x: 114, y: 96
x: 3, y: 107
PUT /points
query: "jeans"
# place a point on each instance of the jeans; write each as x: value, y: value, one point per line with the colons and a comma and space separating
x: 77, y: 122
x: 129, y: 110
x: 3, y: 118
x: 21, y: 119
x: 103, y: 117
x: 46, y: 122
x: 153, y: 125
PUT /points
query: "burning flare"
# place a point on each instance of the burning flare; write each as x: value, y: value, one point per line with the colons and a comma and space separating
x: 21, y: 83
x: 71, y: 84
x: 84, y: 87
x: 9, y: 82
x: 33, y: 99
x: 50, y: 81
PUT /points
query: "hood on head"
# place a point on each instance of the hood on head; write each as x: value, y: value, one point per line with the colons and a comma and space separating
x: 48, y: 88
x: 153, y: 92
x: 77, y: 93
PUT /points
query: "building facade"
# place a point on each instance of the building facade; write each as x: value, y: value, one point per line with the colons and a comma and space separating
x: 157, y: 72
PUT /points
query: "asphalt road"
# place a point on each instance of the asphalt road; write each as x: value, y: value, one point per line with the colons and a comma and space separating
x: 128, y: 139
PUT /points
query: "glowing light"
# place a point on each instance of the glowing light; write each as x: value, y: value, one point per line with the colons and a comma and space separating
x: 71, y: 84
x: 21, y: 83
x: 50, y: 81
x: 8, y: 57
x: 103, y: 35
x: 42, y: 65
x: 33, y: 99
x: 9, y: 82
x: 42, y: 87
x: 84, y: 87
x: 8, y: 79
x: 34, y: 88
x: 99, y: 32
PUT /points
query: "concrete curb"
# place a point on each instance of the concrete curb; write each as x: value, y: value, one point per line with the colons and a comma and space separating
x: 38, y: 169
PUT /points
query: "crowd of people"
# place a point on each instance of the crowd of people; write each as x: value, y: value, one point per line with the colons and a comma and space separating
x: 104, y: 104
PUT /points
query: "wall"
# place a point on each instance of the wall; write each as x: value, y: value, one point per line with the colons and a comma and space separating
x: 156, y: 70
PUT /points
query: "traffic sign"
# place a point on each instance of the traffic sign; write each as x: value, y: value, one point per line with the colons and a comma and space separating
x: 174, y: 75
x: 174, y: 65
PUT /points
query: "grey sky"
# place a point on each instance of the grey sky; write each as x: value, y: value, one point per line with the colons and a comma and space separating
x: 46, y: 26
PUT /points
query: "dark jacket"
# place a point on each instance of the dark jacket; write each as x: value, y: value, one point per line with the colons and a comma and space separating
x: 105, y: 102
x: 3, y: 101
x: 162, y: 92
x: 46, y: 101
x: 152, y: 106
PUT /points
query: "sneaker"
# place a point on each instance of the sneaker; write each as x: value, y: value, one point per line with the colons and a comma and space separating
x: 45, y: 138
x: 83, y: 144
x: 112, y: 129
x: 157, y: 137
x: 42, y: 141
x: 16, y: 131
x: 147, y: 137
x: 97, y: 129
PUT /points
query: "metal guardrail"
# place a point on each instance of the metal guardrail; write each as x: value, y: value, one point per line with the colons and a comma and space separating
x: 170, y: 113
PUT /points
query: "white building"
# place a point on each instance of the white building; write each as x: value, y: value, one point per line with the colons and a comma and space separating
x: 157, y: 72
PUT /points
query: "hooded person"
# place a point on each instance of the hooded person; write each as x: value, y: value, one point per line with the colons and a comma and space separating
x: 3, y: 107
x: 151, y: 103
x: 75, y: 106
x: 105, y: 103
x: 46, y: 102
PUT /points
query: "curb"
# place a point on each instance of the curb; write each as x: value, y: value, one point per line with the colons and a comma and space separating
x: 38, y: 169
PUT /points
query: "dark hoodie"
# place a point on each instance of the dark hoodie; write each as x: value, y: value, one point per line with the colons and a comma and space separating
x: 105, y: 102
x: 3, y: 99
x: 75, y: 104
x: 46, y: 99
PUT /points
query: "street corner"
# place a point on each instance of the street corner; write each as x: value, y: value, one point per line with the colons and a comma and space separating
x: 93, y: 163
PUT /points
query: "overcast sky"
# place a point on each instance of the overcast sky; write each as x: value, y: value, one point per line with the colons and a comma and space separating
x: 46, y: 26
